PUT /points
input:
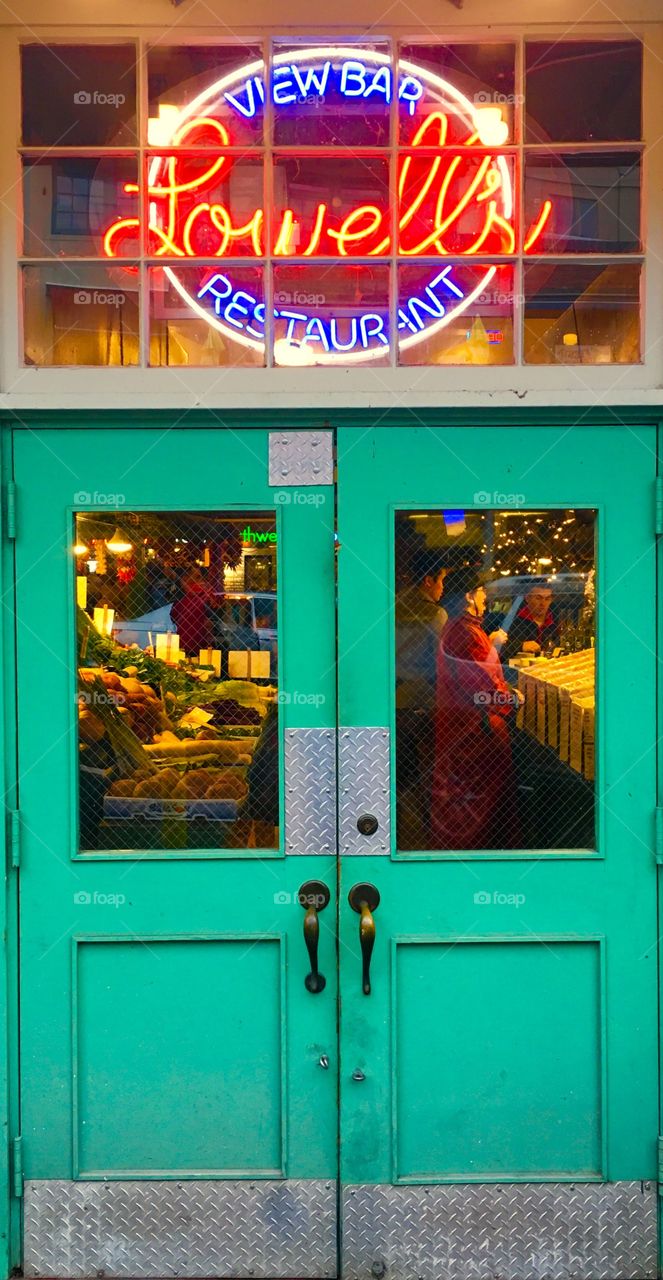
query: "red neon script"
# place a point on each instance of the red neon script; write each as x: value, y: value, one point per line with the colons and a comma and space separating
x: 456, y: 201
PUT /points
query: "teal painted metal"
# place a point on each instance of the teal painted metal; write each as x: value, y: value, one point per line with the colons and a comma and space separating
x: 15, y: 837
x: 214, y: 944
x: 559, y: 1071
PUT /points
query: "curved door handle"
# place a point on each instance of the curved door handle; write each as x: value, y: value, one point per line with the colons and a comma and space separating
x: 365, y: 899
x: 313, y: 896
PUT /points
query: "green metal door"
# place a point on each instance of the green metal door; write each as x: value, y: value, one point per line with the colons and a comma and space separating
x: 178, y: 1078
x: 499, y: 1082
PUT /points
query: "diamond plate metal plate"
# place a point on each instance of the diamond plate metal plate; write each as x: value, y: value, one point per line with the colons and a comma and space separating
x: 300, y: 458
x: 501, y: 1231
x: 161, y: 1229
x: 363, y: 768
x: 310, y: 791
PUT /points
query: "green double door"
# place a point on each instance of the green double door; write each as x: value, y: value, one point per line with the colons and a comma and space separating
x: 467, y: 841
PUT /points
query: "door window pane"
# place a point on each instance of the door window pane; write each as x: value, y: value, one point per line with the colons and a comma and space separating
x: 494, y: 655
x: 177, y: 668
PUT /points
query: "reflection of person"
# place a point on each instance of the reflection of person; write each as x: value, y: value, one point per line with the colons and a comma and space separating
x: 534, y: 626
x: 191, y: 615
x: 419, y: 622
x: 473, y: 790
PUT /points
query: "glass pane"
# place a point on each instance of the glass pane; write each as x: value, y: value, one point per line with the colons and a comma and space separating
x: 200, y: 206
x: 178, y: 729
x: 478, y: 76
x: 81, y: 313
x: 226, y: 84
x: 456, y: 203
x: 583, y: 91
x: 70, y: 202
x: 331, y: 315
x: 203, y: 316
x: 582, y: 314
x: 78, y: 95
x: 591, y: 202
x: 462, y: 314
x: 334, y: 205
x: 331, y: 96
x: 494, y: 618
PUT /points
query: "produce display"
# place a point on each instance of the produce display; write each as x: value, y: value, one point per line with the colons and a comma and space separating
x: 163, y: 744
x: 559, y: 706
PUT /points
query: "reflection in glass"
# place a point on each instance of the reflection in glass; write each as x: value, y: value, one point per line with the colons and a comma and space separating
x: 577, y: 313
x: 69, y: 201
x: 494, y: 619
x: 80, y: 313
x: 177, y: 663
x: 594, y: 198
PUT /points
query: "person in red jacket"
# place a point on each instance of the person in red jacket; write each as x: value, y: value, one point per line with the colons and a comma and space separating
x: 474, y: 799
x: 191, y: 615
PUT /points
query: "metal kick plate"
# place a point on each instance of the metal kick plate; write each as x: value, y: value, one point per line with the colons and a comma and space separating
x: 300, y: 458
x: 501, y: 1231
x: 363, y: 768
x: 261, y: 1230
x: 310, y: 791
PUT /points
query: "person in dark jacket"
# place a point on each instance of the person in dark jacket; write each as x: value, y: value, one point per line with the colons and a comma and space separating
x: 534, y: 627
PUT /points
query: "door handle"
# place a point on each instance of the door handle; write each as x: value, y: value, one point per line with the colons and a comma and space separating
x: 313, y: 896
x: 365, y: 899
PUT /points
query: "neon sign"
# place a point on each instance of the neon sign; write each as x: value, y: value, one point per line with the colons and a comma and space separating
x: 453, y: 197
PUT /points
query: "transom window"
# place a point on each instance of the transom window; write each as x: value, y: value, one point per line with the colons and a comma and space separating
x: 317, y: 204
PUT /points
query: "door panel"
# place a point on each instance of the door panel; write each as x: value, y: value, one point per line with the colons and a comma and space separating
x: 179, y: 1082
x: 498, y: 1085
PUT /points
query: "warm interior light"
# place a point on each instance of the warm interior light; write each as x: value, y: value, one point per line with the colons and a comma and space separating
x: 118, y: 543
x: 160, y: 128
x: 570, y: 339
x: 493, y: 131
x: 80, y: 549
x: 292, y: 353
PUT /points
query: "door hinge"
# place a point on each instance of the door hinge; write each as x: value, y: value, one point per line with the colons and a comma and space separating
x: 659, y: 504
x: 17, y: 1167
x: 659, y: 1145
x: 14, y: 838
x: 11, y: 509
x: 658, y: 842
